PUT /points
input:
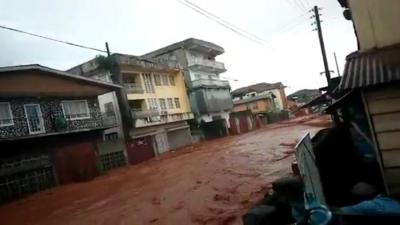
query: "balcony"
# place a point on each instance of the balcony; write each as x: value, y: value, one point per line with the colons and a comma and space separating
x: 54, y: 124
x: 132, y: 88
x: 210, y: 83
x: 143, y: 114
x: 200, y: 64
x: 162, y: 119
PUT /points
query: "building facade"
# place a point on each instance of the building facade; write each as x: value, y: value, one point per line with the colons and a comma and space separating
x: 50, y: 130
x: 209, y: 95
x: 158, y: 105
x: 267, y: 101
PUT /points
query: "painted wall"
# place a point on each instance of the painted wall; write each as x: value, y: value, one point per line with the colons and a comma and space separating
x: 280, y: 100
x: 376, y: 22
x: 177, y: 91
x: 258, y: 106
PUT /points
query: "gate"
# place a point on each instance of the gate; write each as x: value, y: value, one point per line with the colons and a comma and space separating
x: 140, y: 149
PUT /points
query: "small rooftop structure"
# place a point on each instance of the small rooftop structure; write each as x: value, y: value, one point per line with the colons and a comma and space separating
x: 190, y: 44
x: 260, y: 87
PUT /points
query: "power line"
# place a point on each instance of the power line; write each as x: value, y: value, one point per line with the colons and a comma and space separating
x: 52, y: 39
x: 300, y: 5
x: 221, y: 23
x: 226, y: 22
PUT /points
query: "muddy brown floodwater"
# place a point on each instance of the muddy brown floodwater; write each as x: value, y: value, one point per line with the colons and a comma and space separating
x: 213, y: 182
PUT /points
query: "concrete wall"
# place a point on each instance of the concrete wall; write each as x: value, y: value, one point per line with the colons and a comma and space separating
x: 376, y: 22
x: 111, y: 97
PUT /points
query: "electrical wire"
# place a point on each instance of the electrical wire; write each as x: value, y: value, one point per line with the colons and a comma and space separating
x: 226, y: 22
x: 52, y: 39
x: 221, y: 23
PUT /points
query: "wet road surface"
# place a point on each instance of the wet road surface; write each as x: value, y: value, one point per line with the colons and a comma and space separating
x: 214, y: 182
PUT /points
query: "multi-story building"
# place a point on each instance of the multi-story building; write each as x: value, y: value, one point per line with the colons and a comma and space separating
x: 155, y: 98
x: 50, y: 129
x: 263, y: 99
x: 209, y: 95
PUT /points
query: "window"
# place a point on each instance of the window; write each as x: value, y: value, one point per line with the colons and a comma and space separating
x: 164, y: 79
x: 109, y: 109
x: 172, y: 80
x: 163, y: 105
x: 6, y: 118
x: 148, y: 83
x: 111, y: 136
x: 152, y: 103
x: 157, y: 80
x: 177, y: 103
x: 76, y: 109
x: 170, y: 103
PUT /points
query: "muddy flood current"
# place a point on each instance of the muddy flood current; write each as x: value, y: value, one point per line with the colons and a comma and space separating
x: 213, y: 182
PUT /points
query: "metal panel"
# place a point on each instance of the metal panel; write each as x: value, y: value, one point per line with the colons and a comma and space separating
x: 161, y: 141
x: 179, y: 138
x: 213, y: 100
x: 308, y: 169
x: 371, y: 68
x: 76, y: 162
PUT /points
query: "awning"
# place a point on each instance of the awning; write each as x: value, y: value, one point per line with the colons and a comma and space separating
x: 364, y: 69
x: 322, y: 99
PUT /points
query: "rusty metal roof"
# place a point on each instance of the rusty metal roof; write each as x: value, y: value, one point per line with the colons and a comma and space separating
x: 378, y: 66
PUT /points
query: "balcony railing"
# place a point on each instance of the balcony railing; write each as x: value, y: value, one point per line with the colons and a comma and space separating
x: 133, y: 88
x: 142, y: 114
x: 163, y: 119
x: 208, y: 65
x: 54, y: 124
x: 210, y: 83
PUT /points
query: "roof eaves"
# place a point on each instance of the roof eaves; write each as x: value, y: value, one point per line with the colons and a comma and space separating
x: 56, y: 72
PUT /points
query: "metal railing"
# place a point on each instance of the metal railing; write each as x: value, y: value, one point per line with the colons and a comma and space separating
x: 207, y: 63
x: 133, y: 88
x: 143, y: 113
x: 52, y: 123
x: 210, y: 82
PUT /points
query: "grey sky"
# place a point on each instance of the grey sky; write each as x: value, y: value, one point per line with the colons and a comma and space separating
x: 292, y: 54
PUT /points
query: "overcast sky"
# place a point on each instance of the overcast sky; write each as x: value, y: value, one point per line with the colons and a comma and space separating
x: 291, y: 54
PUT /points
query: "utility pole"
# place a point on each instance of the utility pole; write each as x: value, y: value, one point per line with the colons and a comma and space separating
x: 108, y: 50
x: 321, y: 42
x: 337, y: 65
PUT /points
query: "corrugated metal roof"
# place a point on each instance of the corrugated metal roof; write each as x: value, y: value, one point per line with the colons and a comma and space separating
x: 364, y: 69
x: 58, y: 73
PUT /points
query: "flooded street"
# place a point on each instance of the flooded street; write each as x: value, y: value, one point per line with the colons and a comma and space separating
x: 213, y: 182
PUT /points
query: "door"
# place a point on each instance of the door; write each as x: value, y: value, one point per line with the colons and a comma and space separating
x: 161, y: 141
x: 34, y: 118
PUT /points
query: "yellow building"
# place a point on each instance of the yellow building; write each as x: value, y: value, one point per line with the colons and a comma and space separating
x: 154, y: 104
x: 259, y: 104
